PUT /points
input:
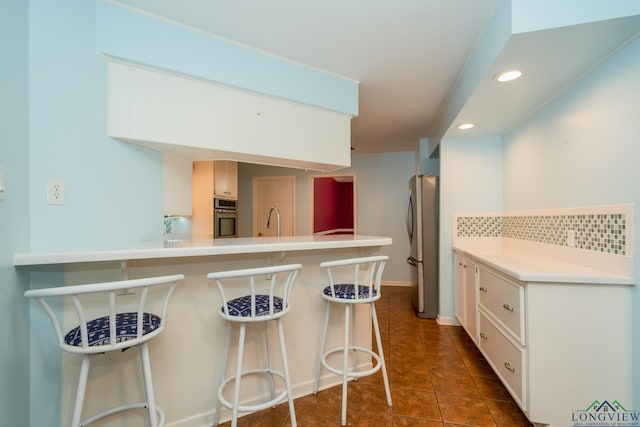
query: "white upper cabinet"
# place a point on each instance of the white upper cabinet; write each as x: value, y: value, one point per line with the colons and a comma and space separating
x: 225, y: 179
x: 205, y: 121
x: 178, y: 172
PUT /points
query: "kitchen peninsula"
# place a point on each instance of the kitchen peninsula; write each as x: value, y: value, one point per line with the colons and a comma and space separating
x: 187, y: 357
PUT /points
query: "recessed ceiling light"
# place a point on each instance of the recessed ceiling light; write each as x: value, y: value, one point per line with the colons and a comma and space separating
x: 508, y: 75
x: 465, y: 126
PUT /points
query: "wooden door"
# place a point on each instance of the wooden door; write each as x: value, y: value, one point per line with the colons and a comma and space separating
x: 270, y: 191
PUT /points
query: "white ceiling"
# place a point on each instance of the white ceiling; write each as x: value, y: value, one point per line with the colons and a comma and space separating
x: 407, y: 56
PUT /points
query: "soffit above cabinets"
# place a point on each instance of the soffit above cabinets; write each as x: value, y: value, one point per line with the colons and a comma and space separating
x: 206, y: 121
x: 552, y: 60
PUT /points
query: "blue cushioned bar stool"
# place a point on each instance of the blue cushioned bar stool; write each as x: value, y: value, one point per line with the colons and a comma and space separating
x: 248, y: 298
x: 124, y: 321
x: 366, y: 273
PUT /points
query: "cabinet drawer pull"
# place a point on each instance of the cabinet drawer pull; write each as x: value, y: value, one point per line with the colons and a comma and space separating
x: 509, y: 367
x: 483, y: 289
x: 507, y: 307
x: 483, y: 335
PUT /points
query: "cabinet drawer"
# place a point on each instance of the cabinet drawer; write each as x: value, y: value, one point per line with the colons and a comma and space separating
x: 504, y: 300
x: 507, y: 359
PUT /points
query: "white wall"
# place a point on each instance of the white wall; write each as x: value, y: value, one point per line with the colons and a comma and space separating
x: 470, y: 181
x: 382, y: 188
x: 383, y: 197
x: 14, y: 230
x: 582, y: 149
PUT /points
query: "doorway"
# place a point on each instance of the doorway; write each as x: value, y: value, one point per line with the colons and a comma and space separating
x: 333, y: 204
x: 278, y: 192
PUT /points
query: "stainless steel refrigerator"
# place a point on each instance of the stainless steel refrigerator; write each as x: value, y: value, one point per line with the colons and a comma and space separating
x: 422, y: 226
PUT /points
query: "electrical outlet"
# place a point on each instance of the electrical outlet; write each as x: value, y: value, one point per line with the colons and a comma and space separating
x: 55, y: 191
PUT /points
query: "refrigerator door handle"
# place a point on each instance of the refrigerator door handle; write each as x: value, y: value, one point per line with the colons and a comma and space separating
x: 410, y: 217
x: 412, y: 261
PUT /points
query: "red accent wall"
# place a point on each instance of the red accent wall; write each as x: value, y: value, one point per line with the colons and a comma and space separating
x: 345, y: 201
x: 333, y: 204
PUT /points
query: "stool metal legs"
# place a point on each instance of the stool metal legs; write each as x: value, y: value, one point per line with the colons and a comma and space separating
x: 227, y: 344
x: 324, y: 338
x: 287, y: 378
x: 383, y: 364
x: 345, y: 364
x: 236, y: 378
x: 148, y: 386
x: 82, y: 385
x: 344, y: 372
x: 150, y: 404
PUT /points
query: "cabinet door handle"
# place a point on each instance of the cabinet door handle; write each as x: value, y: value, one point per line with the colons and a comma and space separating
x: 509, y: 367
x: 483, y: 289
x: 507, y: 307
x: 459, y: 263
x: 483, y: 335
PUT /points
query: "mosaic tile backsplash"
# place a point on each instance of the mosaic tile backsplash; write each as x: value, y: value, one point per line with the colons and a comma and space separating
x: 601, y: 232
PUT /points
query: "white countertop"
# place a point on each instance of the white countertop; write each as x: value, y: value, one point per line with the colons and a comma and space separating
x: 201, y: 247
x: 535, y: 267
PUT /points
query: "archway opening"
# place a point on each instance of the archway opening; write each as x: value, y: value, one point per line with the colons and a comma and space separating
x: 334, y: 205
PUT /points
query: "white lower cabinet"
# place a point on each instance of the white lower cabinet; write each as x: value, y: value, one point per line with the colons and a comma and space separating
x: 557, y: 347
x: 466, y: 295
x: 504, y: 299
x: 506, y: 357
x: 501, y: 331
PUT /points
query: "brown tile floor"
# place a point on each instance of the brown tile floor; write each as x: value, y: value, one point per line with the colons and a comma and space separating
x: 438, y: 379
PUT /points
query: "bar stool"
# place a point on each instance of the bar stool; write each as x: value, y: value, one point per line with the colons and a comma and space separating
x: 368, y: 291
x: 244, y: 302
x: 141, y: 319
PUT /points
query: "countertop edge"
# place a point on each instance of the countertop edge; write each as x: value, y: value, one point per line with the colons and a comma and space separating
x: 65, y: 257
x: 580, y: 275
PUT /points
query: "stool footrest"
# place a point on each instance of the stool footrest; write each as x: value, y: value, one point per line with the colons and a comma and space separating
x: 256, y: 407
x: 127, y: 407
x: 352, y: 374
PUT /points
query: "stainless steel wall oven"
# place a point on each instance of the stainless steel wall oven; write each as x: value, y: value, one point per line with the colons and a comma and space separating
x: 225, y: 218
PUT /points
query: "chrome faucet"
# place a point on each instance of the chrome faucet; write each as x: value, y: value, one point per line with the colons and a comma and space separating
x: 274, y: 208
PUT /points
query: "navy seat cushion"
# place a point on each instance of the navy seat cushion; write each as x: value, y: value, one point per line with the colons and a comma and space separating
x: 347, y: 291
x: 242, y: 306
x: 126, y: 329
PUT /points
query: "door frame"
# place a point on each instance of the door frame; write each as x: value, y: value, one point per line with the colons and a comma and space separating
x: 351, y: 177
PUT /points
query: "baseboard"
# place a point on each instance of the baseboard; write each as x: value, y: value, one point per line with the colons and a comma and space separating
x: 396, y: 284
x: 452, y: 321
x: 205, y: 419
